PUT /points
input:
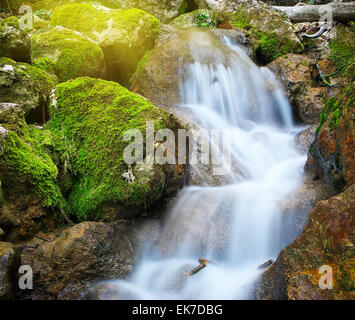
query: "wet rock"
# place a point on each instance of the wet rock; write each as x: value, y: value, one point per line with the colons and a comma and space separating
x: 73, y: 55
x: 161, y: 70
x: 332, y: 154
x: 123, y: 35
x: 274, y: 31
x: 305, y: 94
x: 295, y: 210
x: 328, y: 239
x: 27, y: 86
x: 14, y: 42
x: 305, y: 139
x: 67, y: 266
x: 8, y: 264
x: 100, y: 189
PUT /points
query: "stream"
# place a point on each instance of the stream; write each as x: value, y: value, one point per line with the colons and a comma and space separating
x: 235, y: 224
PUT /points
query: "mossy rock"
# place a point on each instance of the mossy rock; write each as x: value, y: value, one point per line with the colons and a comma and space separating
x: 198, y: 18
x: 74, y: 55
x: 275, y: 32
x: 164, y: 10
x: 342, y: 46
x: 27, y: 86
x: 14, y: 42
x: 91, y: 116
x: 26, y: 168
x: 123, y: 35
x: 160, y: 72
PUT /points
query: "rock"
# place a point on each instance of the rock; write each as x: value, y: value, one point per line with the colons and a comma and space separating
x: 305, y: 93
x: 2, y: 234
x: 14, y: 42
x: 164, y: 10
x: 74, y: 55
x: 198, y: 18
x: 332, y: 154
x: 296, y: 208
x: 28, y: 181
x: 161, y: 71
x: 96, y: 159
x: 240, y: 37
x: 11, y: 113
x: 27, y: 86
x: 274, y: 31
x: 8, y: 264
x: 70, y: 264
x: 305, y: 139
x: 328, y: 239
x: 123, y: 35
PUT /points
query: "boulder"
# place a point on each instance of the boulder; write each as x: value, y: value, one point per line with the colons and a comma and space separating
x: 327, y: 240
x: 8, y: 264
x: 14, y: 42
x: 305, y: 139
x: 28, y: 178
x: 274, y: 31
x: 74, y: 55
x: 198, y: 18
x: 123, y: 35
x: 27, y: 86
x: 104, y: 186
x: 160, y: 72
x: 296, y: 73
x: 68, y: 265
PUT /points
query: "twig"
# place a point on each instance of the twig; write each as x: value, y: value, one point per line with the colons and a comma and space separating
x: 203, y: 264
x: 321, y: 73
x: 66, y: 217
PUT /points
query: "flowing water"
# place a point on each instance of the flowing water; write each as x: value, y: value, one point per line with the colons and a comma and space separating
x: 236, y: 225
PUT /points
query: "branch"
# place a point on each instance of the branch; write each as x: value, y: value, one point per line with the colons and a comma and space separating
x: 343, y: 12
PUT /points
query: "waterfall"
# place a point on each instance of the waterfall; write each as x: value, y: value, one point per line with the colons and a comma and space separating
x: 236, y: 225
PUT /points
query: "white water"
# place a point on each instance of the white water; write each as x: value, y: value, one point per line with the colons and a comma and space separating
x: 236, y: 225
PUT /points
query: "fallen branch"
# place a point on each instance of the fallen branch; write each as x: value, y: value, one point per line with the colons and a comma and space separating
x: 266, y: 264
x: 203, y: 264
x: 343, y: 12
x: 321, y: 75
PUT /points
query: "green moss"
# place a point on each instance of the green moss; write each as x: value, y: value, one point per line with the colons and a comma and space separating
x: 11, y: 21
x: 272, y: 44
x: 124, y: 34
x: 25, y: 160
x: 30, y: 86
x: 333, y: 108
x: 46, y: 64
x: 343, y: 46
x: 183, y: 7
x: 91, y: 117
x: 74, y: 55
x: 142, y: 63
x: 82, y: 17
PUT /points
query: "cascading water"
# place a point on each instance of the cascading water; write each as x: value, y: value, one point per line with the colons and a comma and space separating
x: 235, y: 225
